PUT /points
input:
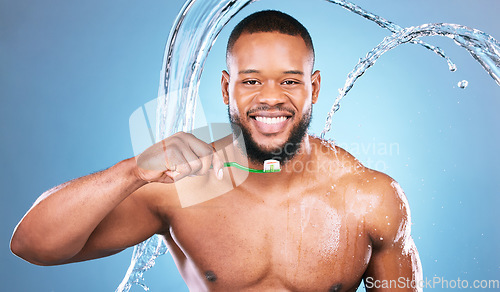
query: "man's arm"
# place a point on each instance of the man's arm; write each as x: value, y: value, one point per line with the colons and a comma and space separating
x: 106, y: 212
x: 60, y: 223
x: 394, y: 264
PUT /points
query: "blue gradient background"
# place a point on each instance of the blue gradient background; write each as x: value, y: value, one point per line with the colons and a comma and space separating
x: 72, y: 72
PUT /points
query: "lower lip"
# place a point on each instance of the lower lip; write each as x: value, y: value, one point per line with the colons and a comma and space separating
x: 267, y: 129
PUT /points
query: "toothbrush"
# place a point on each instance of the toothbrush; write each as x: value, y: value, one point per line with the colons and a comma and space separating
x: 270, y: 165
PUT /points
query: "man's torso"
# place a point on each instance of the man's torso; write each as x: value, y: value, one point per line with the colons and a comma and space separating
x: 312, y: 235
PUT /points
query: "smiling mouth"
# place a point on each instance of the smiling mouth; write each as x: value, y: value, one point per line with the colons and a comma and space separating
x: 270, y: 120
x: 269, y: 123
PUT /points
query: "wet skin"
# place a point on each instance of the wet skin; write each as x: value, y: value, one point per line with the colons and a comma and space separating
x: 320, y: 231
x: 324, y: 223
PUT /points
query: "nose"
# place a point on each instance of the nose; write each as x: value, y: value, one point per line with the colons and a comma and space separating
x: 271, y: 94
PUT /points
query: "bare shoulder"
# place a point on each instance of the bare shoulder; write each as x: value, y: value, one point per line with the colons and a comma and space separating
x: 374, y: 196
x: 387, y: 217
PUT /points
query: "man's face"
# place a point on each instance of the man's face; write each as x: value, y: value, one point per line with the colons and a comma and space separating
x: 270, y: 91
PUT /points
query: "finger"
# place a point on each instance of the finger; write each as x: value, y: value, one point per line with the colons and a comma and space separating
x: 206, y: 163
x: 170, y: 176
x: 166, y: 177
x: 194, y: 162
x: 204, y: 152
x: 217, y: 165
x: 168, y: 156
x: 176, y: 164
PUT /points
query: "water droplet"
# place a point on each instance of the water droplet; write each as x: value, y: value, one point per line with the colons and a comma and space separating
x: 463, y: 83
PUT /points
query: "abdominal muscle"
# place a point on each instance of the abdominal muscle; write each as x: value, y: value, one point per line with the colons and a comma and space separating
x: 309, y: 241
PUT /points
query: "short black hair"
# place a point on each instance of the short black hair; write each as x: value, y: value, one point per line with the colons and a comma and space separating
x: 270, y: 21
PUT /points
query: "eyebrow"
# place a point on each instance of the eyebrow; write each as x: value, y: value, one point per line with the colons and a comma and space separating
x: 294, y: 72
x: 249, y: 71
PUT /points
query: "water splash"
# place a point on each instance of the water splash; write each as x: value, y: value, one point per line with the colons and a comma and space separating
x: 483, y: 47
x: 194, y: 32
x: 391, y: 26
x: 191, y: 38
x: 143, y: 259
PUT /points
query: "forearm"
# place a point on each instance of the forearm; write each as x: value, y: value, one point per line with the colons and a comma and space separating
x: 62, y: 219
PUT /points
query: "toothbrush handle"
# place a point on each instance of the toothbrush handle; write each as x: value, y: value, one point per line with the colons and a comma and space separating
x: 237, y: 165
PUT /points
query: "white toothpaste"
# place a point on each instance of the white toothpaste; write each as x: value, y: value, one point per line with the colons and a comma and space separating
x: 272, y: 165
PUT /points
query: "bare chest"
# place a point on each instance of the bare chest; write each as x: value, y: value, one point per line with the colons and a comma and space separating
x: 296, y: 245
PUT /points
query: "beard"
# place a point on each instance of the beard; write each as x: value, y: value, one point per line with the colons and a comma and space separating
x: 283, y: 153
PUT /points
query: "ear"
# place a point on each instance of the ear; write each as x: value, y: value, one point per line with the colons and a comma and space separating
x: 316, y: 84
x: 224, y: 84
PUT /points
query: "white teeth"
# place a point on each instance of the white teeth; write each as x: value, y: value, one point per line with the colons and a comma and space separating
x: 270, y: 121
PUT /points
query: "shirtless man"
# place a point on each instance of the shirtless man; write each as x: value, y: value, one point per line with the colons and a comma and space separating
x: 324, y: 223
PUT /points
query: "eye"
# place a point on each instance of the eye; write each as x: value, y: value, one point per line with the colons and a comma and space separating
x: 251, y: 82
x: 289, y: 82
